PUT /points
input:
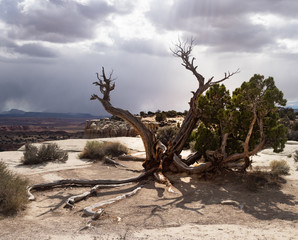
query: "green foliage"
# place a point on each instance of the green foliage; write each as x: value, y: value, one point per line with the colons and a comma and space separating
x: 165, y: 134
x: 13, y: 191
x: 160, y: 116
x: 295, y: 126
x: 43, y: 154
x: 205, y: 139
x: 287, y: 113
x: 97, y: 150
x: 279, y: 167
x: 223, y: 114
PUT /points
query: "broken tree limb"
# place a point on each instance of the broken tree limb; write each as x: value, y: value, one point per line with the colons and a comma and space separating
x: 73, y: 199
x: 97, y: 208
x: 84, y: 183
x: 183, y: 167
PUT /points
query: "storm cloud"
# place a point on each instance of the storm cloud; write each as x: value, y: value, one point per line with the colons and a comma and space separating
x: 50, y: 50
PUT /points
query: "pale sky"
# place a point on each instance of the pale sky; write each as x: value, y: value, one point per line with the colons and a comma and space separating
x: 50, y: 50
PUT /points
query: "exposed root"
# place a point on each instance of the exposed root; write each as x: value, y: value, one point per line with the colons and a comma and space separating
x: 158, y: 175
x: 73, y: 199
x: 84, y: 183
x: 203, y: 167
x: 131, y: 158
x: 97, y: 208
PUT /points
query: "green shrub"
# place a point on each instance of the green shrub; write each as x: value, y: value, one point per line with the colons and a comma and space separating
x: 13, y: 191
x: 46, y: 153
x: 165, y: 134
x: 97, y: 150
x: 160, y: 117
x: 279, y: 167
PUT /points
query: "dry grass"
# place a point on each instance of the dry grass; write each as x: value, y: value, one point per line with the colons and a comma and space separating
x: 46, y: 153
x: 97, y: 150
x: 279, y: 167
x: 13, y: 193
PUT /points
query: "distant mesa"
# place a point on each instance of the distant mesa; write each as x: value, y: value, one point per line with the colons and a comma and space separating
x: 20, y: 113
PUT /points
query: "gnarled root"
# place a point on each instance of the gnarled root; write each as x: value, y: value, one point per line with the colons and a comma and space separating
x: 84, y: 183
x: 184, y: 168
x: 96, y: 210
x: 73, y: 199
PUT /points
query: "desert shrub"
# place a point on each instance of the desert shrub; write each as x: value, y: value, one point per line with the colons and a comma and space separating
x: 97, y: 150
x: 13, y: 191
x: 160, y: 116
x: 114, y: 149
x: 45, y: 153
x: 296, y: 156
x: 279, y: 167
x: 165, y: 134
x: 295, y: 126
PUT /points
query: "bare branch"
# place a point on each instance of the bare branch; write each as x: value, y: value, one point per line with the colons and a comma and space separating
x: 183, y: 50
x: 227, y: 76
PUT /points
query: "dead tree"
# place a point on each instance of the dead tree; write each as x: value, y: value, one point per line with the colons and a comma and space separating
x: 158, y: 158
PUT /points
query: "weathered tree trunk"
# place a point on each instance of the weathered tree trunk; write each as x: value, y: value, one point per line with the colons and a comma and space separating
x: 147, y: 136
x: 247, y: 139
x: 156, y: 158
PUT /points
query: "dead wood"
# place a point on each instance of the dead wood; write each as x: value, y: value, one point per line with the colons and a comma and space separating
x: 84, y: 183
x: 203, y: 167
x: 97, y: 208
x: 131, y: 158
x: 73, y: 199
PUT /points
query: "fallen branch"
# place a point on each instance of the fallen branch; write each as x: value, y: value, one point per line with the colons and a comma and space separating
x: 96, y: 209
x: 73, y: 199
x: 84, y: 183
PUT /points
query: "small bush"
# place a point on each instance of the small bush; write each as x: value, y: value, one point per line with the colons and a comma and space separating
x: 97, y: 150
x: 279, y: 167
x: 46, y: 153
x: 165, y: 134
x: 114, y: 149
x: 160, y: 117
x: 13, y: 191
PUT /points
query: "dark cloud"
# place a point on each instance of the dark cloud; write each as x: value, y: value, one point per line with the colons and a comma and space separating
x: 29, y: 49
x: 35, y: 50
x: 56, y: 21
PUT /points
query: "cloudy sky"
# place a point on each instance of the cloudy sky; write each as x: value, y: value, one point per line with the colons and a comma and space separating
x: 50, y: 50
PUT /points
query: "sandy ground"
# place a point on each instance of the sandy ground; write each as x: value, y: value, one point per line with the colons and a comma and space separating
x: 195, y: 211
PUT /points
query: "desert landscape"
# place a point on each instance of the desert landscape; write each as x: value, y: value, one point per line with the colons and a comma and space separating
x: 219, y: 208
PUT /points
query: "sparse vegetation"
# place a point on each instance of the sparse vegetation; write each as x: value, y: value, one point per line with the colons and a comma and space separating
x: 46, y: 153
x: 259, y: 179
x: 97, y: 150
x: 160, y: 117
x: 279, y: 167
x: 13, y: 194
x: 167, y: 133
